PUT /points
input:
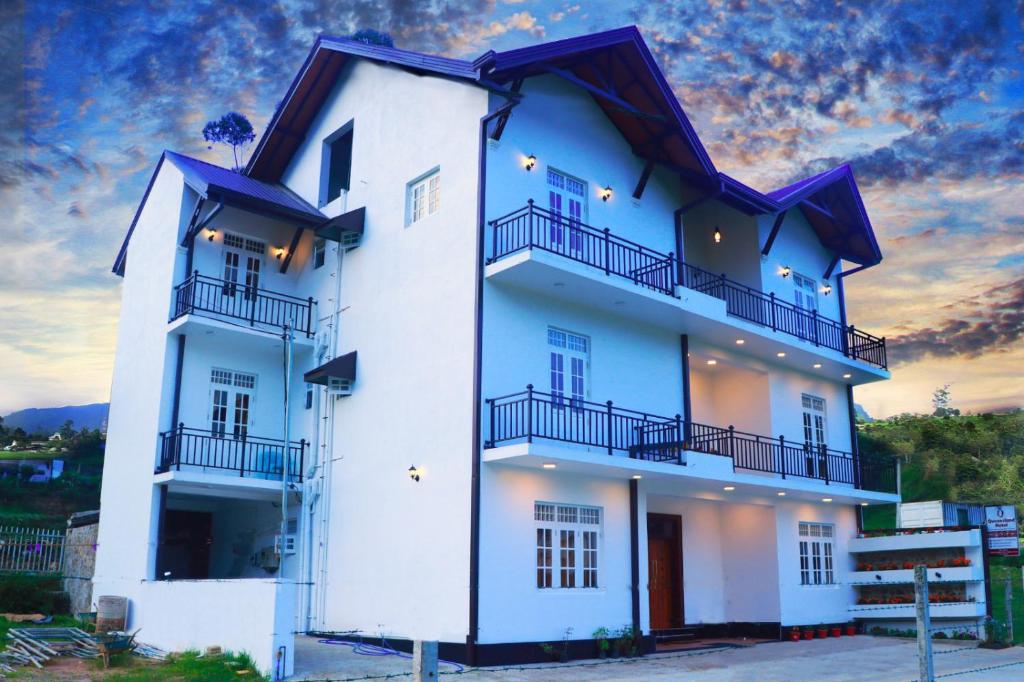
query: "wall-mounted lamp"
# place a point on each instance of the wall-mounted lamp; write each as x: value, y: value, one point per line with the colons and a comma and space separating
x: 785, y: 270
x: 211, y: 233
x: 827, y: 289
x: 414, y: 473
x: 530, y: 162
x: 606, y: 193
x: 278, y: 252
x: 718, y: 235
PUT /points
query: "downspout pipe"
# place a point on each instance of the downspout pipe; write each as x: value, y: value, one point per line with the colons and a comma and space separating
x: 474, y: 515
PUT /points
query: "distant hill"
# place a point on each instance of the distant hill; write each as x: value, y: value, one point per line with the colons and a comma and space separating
x: 861, y: 414
x: 49, y: 419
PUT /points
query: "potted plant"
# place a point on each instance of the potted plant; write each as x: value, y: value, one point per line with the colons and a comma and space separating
x: 851, y: 629
x: 794, y: 634
x: 809, y: 633
x: 600, y: 636
x: 836, y: 631
x: 908, y: 564
x: 550, y: 651
x: 822, y: 631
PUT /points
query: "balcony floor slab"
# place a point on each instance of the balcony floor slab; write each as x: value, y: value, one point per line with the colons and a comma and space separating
x: 692, y: 313
x: 702, y: 475
x: 222, y: 484
x: 235, y: 333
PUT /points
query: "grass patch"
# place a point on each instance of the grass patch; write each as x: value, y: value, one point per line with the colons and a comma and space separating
x: 29, y: 593
x: 999, y: 573
x: 185, y: 667
x: 37, y: 455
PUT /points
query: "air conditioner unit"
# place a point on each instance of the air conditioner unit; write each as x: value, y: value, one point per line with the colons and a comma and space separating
x: 338, y: 387
x: 289, y: 544
x: 349, y: 240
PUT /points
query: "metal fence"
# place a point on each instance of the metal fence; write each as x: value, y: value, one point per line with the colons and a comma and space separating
x: 31, y: 550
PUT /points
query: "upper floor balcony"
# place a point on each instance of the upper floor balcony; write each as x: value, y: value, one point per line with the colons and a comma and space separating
x: 534, y: 230
x: 228, y: 462
x: 243, y: 305
x: 621, y: 433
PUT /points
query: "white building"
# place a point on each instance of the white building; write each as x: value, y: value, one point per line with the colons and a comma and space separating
x: 600, y: 383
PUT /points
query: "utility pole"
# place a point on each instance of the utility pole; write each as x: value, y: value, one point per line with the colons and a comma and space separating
x: 1009, y: 609
x: 926, y: 668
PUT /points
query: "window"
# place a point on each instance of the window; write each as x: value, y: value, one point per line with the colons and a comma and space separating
x: 805, y: 295
x: 319, y: 252
x: 424, y: 196
x: 815, y: 445
x: 309, y: 397
x: 336, y: 165
x: 816, y: 558
x: 231, y: 394
x: 568, y: 352
x: 576, y: 530
x: 567, y: 201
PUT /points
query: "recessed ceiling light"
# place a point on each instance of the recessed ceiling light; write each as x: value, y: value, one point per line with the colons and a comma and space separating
x: 729, y: 487
x: 740, y: 342
x: 781, y: 493
x: 847, y: 376
x: 817, y: 365
x: 637, y: 477
x: 863, y: 504
x: 826, y: 499
x: 712, y: 362
x: 780, y: 354
x: 549, y: 465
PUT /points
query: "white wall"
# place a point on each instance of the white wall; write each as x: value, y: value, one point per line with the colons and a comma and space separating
x: 737, y: 255
x: 787, y: 412
x: 254, y: 616
x: 797, y: 246
x: 512, y: 608
x: 814, y: 604
x: 141, y: 389
x: 408, y: 310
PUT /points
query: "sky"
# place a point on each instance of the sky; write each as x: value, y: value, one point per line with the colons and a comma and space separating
x: 923, y: 99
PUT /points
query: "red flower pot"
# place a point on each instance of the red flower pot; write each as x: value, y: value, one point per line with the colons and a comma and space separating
x: 837, y: 631
x: 822, y: 633
x: 851, y: 630
x: 794, y: 635
x: 808, y: 634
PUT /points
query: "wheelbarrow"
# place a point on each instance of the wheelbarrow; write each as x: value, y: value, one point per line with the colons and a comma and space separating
x: 114, y: 643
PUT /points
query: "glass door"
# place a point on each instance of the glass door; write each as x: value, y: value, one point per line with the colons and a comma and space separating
x: 815, y: 446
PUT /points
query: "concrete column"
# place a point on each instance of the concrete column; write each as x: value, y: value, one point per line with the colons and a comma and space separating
x: 424, y: 661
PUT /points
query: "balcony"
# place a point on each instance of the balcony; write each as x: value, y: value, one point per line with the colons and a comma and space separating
x: 240, y: 304
x: 531, y: 415
x: 533, y: 228
x: 243, y: 456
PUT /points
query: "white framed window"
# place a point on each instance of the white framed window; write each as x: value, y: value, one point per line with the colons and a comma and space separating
x: 817, y: 566
x: 568, y: 545
x: 423, y: 196
x: 569, y: 366
x: 231, y: 397
x: 815, y: 435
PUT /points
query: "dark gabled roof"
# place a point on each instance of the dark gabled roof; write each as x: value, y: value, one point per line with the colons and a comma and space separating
x: 832, y: 205
x: 232, y: 189
x: 619, y: 62
x: 313, y: 83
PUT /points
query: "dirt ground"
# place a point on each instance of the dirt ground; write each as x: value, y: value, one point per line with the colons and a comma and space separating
x: 846, y: 658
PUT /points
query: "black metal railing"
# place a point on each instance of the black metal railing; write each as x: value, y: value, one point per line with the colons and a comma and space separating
x: 243, y: 454
x: 533, y: 415
x: 533, y: 227
x: 252, y: 305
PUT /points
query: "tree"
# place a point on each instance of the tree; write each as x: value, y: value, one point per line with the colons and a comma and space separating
x: 67, y: 432
x: 232, y: 129
x: 371, y: 37
x: 941, y: 401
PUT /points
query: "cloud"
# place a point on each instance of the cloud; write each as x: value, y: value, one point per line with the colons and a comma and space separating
x: 995, y: 322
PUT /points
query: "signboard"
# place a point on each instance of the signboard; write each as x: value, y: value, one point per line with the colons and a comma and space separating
x: 1001, y: 522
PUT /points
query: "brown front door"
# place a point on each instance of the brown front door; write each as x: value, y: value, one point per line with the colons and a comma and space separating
x: 665, y: 570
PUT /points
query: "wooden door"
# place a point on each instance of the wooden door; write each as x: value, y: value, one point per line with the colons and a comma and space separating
x: 664, y: 571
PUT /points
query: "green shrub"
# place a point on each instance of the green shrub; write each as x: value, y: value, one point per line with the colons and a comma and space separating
x: 24, y: 593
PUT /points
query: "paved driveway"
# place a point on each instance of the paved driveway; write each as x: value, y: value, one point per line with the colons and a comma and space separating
x: 846, y: 658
